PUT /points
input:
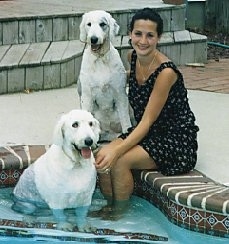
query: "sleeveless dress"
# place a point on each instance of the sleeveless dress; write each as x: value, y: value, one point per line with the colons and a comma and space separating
x: 172, y: 139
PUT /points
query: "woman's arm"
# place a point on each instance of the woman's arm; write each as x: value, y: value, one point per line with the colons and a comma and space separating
x: 156, y: 102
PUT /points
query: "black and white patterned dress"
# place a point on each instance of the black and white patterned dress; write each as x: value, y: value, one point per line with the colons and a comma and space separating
x: 172, y: 139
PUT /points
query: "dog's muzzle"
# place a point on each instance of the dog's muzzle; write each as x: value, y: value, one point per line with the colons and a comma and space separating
x: 94, y: 46
x: 86, y: 150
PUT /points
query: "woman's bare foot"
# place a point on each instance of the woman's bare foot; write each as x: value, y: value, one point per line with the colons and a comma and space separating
x: 99, y: 213
x: 111, y: 212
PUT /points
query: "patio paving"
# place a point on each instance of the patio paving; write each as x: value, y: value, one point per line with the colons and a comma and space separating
x: 213, y: 77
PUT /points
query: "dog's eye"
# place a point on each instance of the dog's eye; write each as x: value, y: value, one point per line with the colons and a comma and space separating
x: 89, y: 24
x: 102, y: 24
x: 75, y: 124
x: 91, y: 123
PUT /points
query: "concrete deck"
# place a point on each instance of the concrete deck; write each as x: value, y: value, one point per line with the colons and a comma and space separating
x: 30, y: 118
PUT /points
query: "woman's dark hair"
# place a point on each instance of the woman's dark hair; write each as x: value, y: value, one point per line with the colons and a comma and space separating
x: 148, y: 14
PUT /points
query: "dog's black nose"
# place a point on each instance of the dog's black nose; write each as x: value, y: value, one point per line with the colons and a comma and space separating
x: 88, y: 141
x: 94, y: 39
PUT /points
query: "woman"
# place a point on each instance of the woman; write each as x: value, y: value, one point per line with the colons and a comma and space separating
x: 165, y: 136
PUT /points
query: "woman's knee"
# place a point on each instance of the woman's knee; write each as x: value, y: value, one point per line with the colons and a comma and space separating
x: 120, y: 166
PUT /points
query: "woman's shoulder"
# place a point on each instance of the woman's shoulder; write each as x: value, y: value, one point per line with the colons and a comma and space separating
x: 166, y: 64
x: 131, y: 58
x: 164, y: 61
x: 166, y: 67
x: 130, y: 55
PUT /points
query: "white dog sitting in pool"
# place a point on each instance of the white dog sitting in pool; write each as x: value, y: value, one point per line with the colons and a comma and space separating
x: 65, y: 176
x: 102, y: 79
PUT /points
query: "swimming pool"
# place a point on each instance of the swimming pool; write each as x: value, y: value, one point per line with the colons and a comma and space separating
x: 192, y: 201
x: 142, y: 217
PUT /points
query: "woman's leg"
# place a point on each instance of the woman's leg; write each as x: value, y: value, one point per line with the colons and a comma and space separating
x: 121, y: 175
x: 118, y: 185
x: 106, y: 187
x: 105, y: 183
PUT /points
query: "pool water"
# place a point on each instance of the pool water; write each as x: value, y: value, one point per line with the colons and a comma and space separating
x: 141, y: 217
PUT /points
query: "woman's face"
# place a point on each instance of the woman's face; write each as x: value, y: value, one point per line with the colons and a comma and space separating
x: 144, y: 37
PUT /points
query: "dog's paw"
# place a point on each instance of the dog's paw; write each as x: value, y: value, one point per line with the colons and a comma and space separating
x: 86, y: 228
x: 65, y: 226
x: 23, y: 207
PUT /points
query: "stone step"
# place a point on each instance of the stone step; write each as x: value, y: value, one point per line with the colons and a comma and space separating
x: 49, y: 65
x: 39, y: 66
x: 65, y: 26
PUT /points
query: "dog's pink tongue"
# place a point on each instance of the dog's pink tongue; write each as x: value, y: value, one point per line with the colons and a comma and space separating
x: 86, y: 152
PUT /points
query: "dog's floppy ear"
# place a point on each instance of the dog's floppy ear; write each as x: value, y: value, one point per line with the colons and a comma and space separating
x: 83, y: 33
x: 58, y: 136
x: 114, y: 28
x: 97, y: 129
x: 97, y: 123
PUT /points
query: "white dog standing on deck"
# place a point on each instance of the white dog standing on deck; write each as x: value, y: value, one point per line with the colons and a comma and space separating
x: 102, y: 79
x: 65, y: 176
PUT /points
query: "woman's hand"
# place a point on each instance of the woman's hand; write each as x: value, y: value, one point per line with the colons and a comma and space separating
x: 106, y: 157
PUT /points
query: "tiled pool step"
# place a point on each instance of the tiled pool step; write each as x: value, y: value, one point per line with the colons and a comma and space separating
x: 49, y: 65
x: 192, y: 201
x: 193, y: 190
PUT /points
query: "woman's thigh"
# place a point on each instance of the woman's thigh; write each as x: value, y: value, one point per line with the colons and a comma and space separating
x: 136, y: 158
